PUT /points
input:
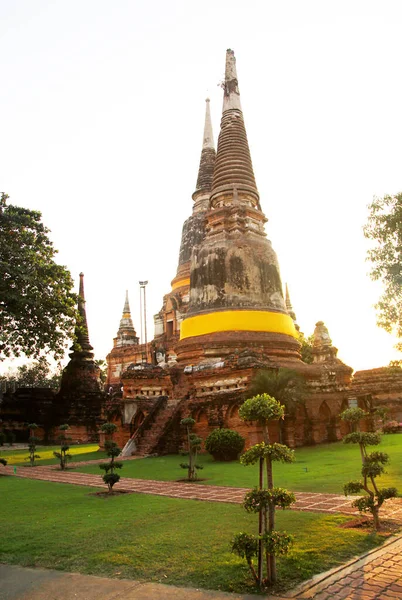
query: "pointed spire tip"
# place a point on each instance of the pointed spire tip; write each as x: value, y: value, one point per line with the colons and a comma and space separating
x: 231, y: 97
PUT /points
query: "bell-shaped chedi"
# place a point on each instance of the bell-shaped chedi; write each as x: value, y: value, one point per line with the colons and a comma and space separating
x: 323, y: 350
x: 126, y: 335
x: 325, y: 361
x: 235, y: 288
x: 79, y: 399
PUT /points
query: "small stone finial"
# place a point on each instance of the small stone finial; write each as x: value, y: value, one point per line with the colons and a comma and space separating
x: 126, y: 308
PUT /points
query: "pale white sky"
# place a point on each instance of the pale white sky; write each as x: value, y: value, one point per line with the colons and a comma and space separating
x: 101, y: 119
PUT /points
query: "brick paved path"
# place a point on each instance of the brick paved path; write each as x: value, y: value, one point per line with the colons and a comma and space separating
x: 308, y: 501
x: 375, y: 576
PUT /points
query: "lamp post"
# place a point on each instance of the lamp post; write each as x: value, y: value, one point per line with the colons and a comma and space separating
x: 143, y: 285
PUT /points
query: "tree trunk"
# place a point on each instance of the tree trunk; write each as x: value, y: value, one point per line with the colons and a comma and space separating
x: 260, y: 525
x: 377, y: 524
x: 271, y: 562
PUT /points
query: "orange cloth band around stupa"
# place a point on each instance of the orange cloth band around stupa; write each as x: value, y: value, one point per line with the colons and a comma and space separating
x: 238, y: 320
x: 180, y: 283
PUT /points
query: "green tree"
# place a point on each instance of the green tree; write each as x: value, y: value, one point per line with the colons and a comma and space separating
x: 37, y: 307
x: 384, y: 228
x: 38, y: 374
x: 373, y: 464
x: 264, y: 498
x: 64, y: 440
x: 285, y: 385
x: 113, y: 451
x: 194, y: 446
x: 32, y: 442
x: 306, y: 349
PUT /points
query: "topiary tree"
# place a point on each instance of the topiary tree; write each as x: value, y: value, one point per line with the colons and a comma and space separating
x: 194, y: 446
x: 372, y: 467
x: 224, y: 444
x: 64, y: 440
x: 265, y: 498
x: 32, y: 441
x: 112, y: 450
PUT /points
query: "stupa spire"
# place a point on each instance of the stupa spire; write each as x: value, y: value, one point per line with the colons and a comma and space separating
x: 81, y: 348
x: 233, y: 166
x: 193, y: 231
x: 207, y: 164
x: 231, y: 95
x: 126, y: 334
x: 208, y: 141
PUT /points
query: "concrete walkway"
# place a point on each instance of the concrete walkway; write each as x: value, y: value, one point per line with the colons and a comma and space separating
x: 19, y: 583
x: 307, y: 501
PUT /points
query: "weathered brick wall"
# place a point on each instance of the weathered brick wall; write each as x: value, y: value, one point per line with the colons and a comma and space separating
x: 385, y: 387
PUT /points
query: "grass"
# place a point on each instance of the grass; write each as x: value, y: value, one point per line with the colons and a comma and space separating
x: 158, y: 539
x: 323, y: 468
x: 79, y: 452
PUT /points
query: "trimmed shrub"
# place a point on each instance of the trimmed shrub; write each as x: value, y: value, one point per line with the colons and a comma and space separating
x: 224, y: 444
x: 391, y: 427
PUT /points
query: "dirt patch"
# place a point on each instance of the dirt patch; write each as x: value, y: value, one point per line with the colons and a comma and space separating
x: 387, y: 527
x: 110, y: 494
x: 185, y: 480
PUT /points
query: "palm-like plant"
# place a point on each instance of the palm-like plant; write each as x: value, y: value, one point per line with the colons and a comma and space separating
x: 285, y: 385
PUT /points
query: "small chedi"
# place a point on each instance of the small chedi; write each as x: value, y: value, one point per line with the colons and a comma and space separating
x: 225, y: 318
x: 81, y: 397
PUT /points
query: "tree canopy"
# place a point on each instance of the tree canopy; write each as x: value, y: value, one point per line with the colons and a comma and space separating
x: 285, y: 385
x: 37, y: 306
x: 35, y: 374
x: 384, y: 227
x: 306, y: 349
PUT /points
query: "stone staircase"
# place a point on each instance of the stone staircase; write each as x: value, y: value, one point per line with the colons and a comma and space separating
x: 149, y: 434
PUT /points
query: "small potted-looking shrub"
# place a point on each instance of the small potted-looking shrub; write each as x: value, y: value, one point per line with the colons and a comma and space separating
x: 224, y: 444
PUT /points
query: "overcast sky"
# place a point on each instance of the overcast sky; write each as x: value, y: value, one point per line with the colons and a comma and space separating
x: 101, y: 122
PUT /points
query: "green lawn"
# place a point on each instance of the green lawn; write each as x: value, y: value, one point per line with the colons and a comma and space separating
x: 79, y: 452
x: 157, y: 539
x: 323, y: 468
